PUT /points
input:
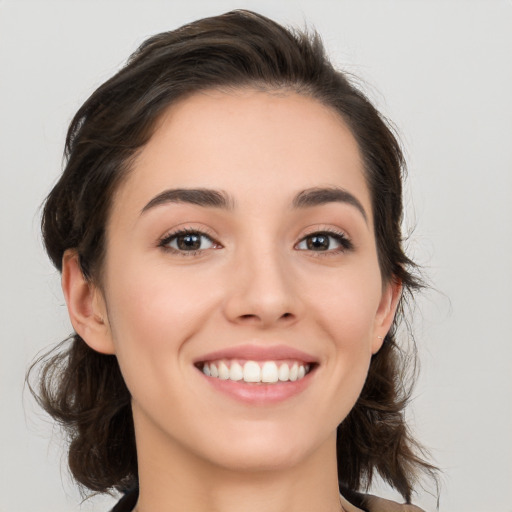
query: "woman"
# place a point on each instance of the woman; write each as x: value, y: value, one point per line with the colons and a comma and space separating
x: 228, y: 232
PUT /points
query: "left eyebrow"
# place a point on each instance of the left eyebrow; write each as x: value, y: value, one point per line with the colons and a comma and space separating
x: 319, y: 196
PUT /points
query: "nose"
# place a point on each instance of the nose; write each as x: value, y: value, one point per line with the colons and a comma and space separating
x: 261, y: 291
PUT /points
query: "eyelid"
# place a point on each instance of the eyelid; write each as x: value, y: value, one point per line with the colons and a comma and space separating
x: 188, y: 227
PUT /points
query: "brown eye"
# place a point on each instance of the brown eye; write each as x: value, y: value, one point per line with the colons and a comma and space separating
x: 318, y: 242
x: 324, y: 242
x: 188, y: 242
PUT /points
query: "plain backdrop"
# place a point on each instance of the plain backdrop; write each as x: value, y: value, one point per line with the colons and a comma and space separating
x: 441, y: 70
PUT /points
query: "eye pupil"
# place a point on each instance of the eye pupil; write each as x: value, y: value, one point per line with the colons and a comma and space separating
x: 318, y: 242
x: 189, y: 242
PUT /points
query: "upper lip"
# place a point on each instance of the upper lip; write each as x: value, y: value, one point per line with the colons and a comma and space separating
x: 255, y: 352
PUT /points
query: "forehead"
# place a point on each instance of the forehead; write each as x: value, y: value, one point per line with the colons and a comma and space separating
x: 249, y: 143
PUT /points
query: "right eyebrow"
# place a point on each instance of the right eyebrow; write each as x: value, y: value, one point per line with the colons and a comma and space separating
x: 199, y: 196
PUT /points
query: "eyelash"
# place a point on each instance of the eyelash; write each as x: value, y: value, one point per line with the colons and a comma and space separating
x: 341, y: 238
x: 169, y: 238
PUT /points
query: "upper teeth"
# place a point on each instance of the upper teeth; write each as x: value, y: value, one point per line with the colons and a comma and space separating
x: 252, y: 371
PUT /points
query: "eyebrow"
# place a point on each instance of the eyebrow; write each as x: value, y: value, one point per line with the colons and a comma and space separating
x: 210, y: 198
x: 199, y: 196
x: 319, y: 196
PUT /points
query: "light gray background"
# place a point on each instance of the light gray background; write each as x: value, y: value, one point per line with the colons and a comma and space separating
x: 441, y: 70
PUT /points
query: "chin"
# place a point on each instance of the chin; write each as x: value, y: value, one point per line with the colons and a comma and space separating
x: 254, y: 460
x: 266, y: 448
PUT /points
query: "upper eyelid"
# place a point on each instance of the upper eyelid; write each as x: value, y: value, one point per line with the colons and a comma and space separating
x: 332, y: 234
x: 209, y: 233
x: 330, y: 230
x: 174, y: 232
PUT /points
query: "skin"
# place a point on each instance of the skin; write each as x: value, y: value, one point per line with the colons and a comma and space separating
x: 254, y: 280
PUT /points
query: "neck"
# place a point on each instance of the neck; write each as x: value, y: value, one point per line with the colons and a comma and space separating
x: 172, y: 479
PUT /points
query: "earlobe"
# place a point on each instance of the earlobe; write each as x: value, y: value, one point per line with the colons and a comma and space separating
x: 86, y: 306
x: 386, y: 312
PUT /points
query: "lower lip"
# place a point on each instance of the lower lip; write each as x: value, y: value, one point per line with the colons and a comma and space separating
x: 259, y: 393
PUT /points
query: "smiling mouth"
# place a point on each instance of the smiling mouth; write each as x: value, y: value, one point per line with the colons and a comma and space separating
x: 256, y: 372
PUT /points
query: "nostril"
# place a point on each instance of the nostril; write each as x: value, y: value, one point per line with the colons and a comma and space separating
x: 248, y: 316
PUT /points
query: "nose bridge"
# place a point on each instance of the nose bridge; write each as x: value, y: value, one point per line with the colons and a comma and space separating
x: 262, y: 286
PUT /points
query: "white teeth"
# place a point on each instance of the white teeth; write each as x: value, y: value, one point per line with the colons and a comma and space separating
x: 213, y: 370
x: 236, y: 372
x: 254, y: 372
x: 223, y: 371
x: 269, y: 372
x: 284, y: 372
x: 294, y: 372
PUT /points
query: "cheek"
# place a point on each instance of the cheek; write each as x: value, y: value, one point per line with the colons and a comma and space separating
x: 153, y: 316
x: 152, y: 306
x: 153, y: 312
x: 346, y: 312
x: 347, y: 306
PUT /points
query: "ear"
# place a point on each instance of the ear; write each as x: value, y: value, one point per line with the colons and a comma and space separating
x: 391, y: 293
x: 86, y: 306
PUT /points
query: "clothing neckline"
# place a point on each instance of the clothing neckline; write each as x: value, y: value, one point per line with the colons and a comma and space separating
x: 128, y: 502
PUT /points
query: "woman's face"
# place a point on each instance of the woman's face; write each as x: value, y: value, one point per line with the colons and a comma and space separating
x: 242, y: 245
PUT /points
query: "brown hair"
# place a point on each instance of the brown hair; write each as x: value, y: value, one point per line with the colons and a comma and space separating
x: 84, y: 390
